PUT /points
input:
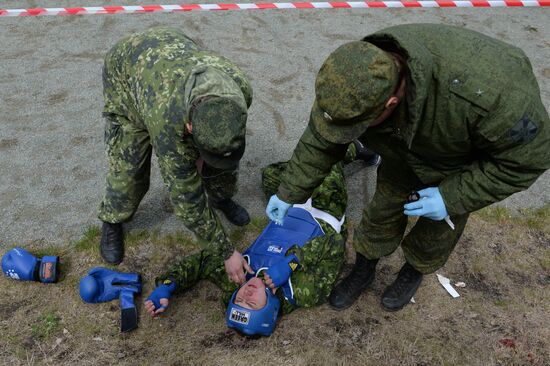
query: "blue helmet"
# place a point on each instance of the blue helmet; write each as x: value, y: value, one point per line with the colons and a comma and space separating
x: 251, y: 322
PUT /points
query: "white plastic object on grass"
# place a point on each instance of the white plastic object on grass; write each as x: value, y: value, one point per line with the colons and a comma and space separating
x: 446, y: 283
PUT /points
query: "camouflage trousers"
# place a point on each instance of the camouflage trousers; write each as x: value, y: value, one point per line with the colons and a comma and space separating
x: 129, y: 150
x: 382, y: 229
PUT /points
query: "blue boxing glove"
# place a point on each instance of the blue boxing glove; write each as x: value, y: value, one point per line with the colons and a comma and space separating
x: 21, y: 265
x: 429, y: 205
x: 280, y: 272
x: 162, y: 291
x: 276, y: 209
x: 102, y: 285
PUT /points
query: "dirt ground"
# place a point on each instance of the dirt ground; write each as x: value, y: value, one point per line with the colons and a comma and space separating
x: 501, y: 317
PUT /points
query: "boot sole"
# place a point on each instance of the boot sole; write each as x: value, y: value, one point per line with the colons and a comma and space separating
x: 343, y: 307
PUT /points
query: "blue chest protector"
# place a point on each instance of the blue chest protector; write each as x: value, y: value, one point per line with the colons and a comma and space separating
x: 271, y: 246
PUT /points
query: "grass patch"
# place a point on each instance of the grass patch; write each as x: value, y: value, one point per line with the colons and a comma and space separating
x: 501, y: 303
x: 497, y: 214
x: 46, y: 326
x: 136, y: 237
x: 538, y: 219
x: 47, y: 251
x: 545, y: 260
x: 89, y: 241
x: 178, y: 239
x: 503, y: 264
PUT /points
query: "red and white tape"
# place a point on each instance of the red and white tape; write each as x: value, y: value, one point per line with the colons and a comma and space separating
x: 261, y: 6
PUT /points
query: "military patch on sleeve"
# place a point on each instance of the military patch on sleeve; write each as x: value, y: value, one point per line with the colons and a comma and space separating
x: 523, y: 131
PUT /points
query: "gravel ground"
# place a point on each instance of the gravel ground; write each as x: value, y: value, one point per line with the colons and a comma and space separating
x: 52, y: 164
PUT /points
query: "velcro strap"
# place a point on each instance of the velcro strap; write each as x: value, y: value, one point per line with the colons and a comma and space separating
x: 49, y: 269
x: 325, y: 216
x: 128, y: 319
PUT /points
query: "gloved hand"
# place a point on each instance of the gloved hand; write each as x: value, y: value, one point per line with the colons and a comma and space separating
x: 154, y: 304
x: 21, y: 265
x: 429, y: 205
x: 276, y: 209
x: 280, y: 272
x: 102, y: 285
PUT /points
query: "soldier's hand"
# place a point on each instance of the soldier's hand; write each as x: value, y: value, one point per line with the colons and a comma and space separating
x: 235, y: 266
x: 276, y: 209
x: 430, y: 205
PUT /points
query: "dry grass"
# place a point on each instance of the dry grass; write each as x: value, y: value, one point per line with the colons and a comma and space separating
x: 500, y: 319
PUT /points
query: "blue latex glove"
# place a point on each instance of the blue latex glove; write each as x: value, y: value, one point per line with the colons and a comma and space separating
x: 163, y: 291
x: 280, y: 272
x: 429, y: 205
x: 276, y: 209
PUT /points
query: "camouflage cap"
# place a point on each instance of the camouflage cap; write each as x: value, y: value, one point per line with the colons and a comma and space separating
x: 351, y: 89
x: 219, y: 127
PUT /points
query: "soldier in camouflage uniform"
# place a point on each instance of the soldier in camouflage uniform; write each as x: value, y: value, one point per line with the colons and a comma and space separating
x: 320, y: 258
x: 454, y: 114
x: 163, y: 92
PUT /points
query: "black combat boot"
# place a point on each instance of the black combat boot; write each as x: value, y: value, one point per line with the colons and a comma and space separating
x: 346, y: 292
x: 112, y: 243
x: 367, y: 155
x: 235, y: 213
x: 401, y: 291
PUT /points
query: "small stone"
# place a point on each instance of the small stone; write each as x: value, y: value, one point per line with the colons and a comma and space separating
x: 287, y: 352
x: 65, y: 331
x: 121, y: 355
x: 460, y: 284
x: 412, y: 300
x: 286, y: 343
x: 99, y: 339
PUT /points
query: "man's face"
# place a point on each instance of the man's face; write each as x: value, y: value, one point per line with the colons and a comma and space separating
x: 252, y: 294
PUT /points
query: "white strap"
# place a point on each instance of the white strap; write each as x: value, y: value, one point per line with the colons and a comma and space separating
x: 319, y: 214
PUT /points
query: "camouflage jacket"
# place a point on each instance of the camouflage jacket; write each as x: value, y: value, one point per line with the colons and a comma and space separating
x: 153, y: 76
x: 473, y: 122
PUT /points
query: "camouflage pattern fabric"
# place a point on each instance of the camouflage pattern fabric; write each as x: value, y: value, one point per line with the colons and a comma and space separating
x: 219, y: 183
x: 351, y: 88
x: 472, y: 124
x: 321, y: 259
x: 428, y: 245
x: 148, y: 95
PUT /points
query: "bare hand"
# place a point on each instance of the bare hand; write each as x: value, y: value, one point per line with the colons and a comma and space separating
x: 150, y: 307
x: 234, y: 267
